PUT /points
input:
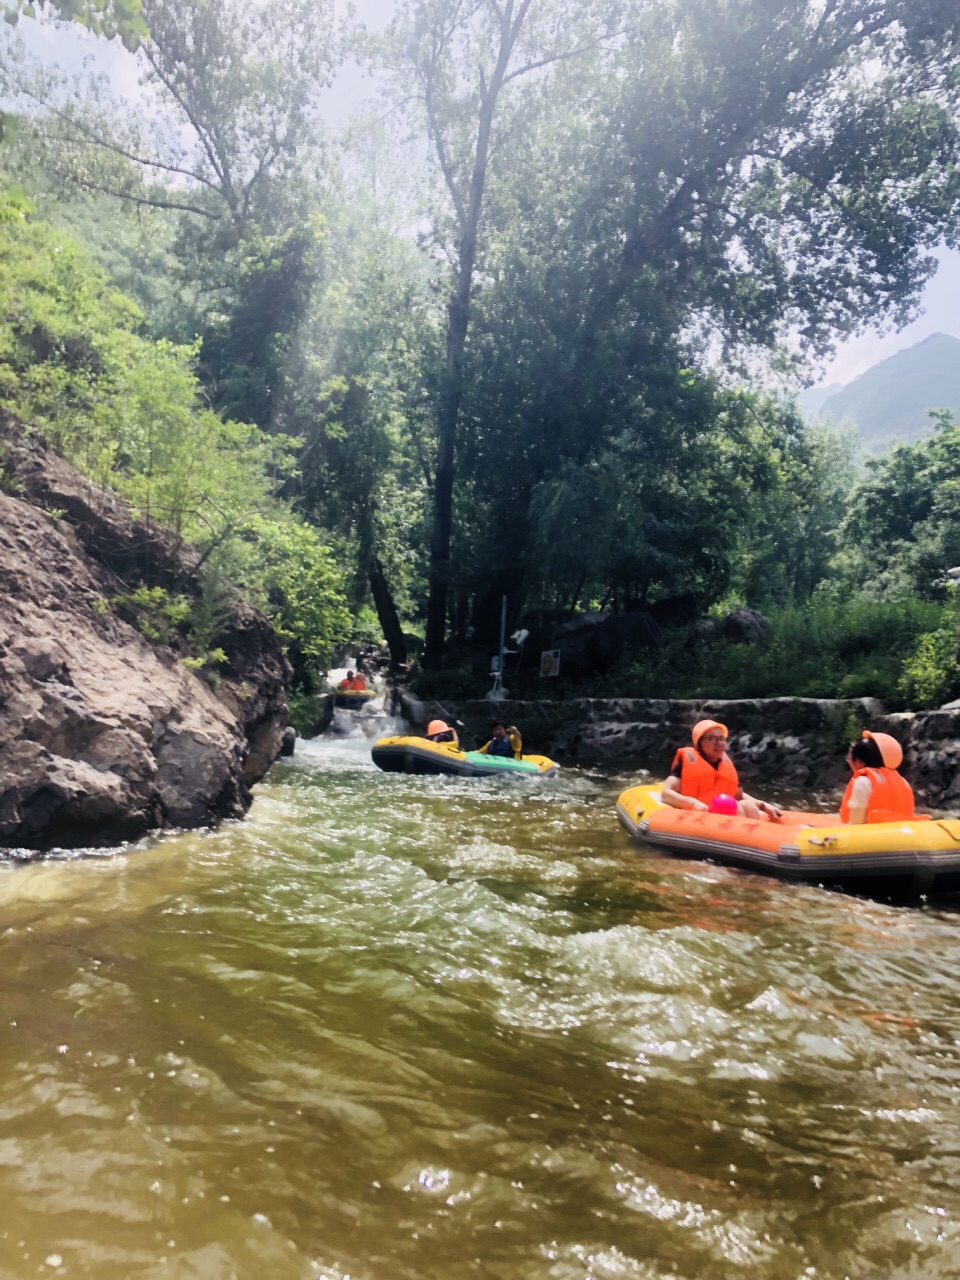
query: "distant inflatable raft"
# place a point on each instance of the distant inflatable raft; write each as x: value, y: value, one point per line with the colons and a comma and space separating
x: 420, y: 755
x: 912, y: 856
x: 352, y: 699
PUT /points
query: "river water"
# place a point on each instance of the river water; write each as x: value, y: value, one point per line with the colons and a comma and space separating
x: 401, y: 1028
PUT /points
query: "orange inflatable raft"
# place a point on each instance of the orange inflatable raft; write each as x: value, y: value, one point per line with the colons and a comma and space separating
x: 910, y: 857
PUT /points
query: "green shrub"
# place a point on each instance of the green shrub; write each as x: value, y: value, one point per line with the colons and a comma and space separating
x: 458, y: 684
x: 155, y: 613
x: 931, y: 675
x: 829, y: 648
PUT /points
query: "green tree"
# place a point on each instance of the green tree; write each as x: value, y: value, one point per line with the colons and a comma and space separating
x: 293, y: 573
x: 129, y: 412
x: 904, y: 516
x: 107, y: 18
x: 460, y: 59
x: 358, y: 395
x: 250, y: 335
x: 743, y: 178
x: 232, y: 119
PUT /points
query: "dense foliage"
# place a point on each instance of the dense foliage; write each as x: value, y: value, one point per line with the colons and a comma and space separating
x: 129, y: 411
x: 122, y: 18
x: 551, y: 365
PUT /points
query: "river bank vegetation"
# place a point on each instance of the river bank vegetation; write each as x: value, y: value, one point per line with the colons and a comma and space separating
x: 554, y: 363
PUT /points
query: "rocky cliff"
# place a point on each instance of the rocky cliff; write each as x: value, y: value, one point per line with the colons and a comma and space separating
x: 104, y: 735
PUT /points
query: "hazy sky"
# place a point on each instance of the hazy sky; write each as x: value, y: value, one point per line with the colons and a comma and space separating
x: 940, y: 303
x: 941, y: 314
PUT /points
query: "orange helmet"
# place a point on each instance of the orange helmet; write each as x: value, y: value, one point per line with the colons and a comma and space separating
x: 437, y: 726
x: 890, y: 749
x: 702, y: 726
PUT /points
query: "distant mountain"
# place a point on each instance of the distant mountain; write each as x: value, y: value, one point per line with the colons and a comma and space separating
x: 812, y: 400
x: 890, y: 403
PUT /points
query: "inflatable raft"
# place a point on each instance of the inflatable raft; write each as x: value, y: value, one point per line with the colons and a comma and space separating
x: 910, y: 857
x: 420, y: 755
x: 352, y: 699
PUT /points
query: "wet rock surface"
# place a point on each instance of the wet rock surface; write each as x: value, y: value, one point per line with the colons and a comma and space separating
x: 104, y: 735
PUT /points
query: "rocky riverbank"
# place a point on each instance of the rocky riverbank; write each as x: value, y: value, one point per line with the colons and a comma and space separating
x: 789, y: 743
x: 104, y: 734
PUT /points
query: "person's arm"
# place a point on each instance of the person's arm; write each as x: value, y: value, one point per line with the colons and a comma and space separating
x: 772, y: 811
x: 860, y: 801
x: 671, y: 795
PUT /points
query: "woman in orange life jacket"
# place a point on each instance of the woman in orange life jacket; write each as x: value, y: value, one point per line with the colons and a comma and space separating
x: 876, y: 792
x: 704, y: 771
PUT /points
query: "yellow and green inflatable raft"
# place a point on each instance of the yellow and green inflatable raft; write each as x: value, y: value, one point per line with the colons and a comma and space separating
x: 420, y: 755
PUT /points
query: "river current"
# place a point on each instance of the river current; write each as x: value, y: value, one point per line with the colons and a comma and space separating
x: 394, y: 1028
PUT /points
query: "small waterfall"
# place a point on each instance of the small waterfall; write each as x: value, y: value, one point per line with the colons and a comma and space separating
x: 370, y: 720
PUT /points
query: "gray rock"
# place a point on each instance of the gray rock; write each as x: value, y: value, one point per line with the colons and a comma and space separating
x: 743, y: 626
x: 103, y: 735
x: 317, y: 714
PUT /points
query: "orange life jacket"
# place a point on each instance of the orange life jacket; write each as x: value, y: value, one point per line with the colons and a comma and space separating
x: 359, y: 684
x: 700, y: 780
x: 891, y: 796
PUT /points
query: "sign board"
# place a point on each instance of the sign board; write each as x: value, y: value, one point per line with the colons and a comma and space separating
x: 550, y: 662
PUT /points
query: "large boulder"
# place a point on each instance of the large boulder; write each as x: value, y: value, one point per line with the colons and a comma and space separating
x: 104, y: 735
x: 743, y: 626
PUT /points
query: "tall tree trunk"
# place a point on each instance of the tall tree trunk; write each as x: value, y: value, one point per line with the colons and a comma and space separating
x: 458, y: 322
x: 572, y: 607
x: 387, y: 613
x: 458, y: 319
x: 443, y: 480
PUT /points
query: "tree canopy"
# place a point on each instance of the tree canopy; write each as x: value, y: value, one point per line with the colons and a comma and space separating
x: 554, y: 362
x: 107, y: 18
x: 731, y: 176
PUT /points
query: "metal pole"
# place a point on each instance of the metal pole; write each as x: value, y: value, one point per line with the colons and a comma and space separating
x: 503, y: 637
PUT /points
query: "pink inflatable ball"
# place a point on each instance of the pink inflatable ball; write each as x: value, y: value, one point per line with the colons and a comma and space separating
x: 724, y: 804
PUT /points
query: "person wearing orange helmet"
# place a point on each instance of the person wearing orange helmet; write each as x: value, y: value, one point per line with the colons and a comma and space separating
x: 702, y: 772
x: 440, y: 731
x: 876, y: 792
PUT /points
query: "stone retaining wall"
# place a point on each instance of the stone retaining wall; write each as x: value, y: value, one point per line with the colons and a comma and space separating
x: 789, y: 743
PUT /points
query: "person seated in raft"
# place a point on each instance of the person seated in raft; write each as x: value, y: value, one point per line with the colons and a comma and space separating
x: 506, y: 741
x: 440, y: 731
x: 704, y: 771
x: 876, y: 792
x: 354, y: 681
